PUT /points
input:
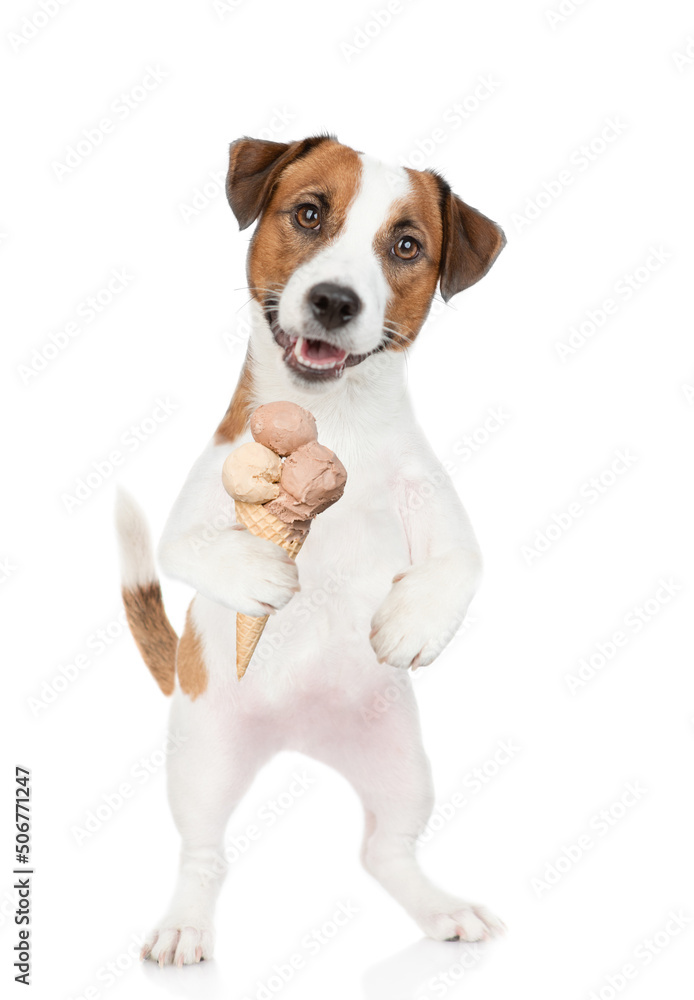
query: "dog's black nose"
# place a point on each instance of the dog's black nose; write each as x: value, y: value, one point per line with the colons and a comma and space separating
x: 333, y: 305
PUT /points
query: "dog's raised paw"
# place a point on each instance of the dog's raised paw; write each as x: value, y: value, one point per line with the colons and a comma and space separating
x: 178, y: 946
x: 421, y: 614
x: 459, y: 921
x: 248, y: 574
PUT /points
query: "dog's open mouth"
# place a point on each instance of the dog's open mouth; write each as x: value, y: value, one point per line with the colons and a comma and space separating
x: 315, y: 360
x: 318, y: 355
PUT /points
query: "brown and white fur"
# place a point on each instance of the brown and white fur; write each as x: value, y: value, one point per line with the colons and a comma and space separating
x: 396, y: 572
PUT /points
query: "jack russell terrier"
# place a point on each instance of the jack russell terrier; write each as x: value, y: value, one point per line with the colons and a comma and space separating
x: 342, y: 269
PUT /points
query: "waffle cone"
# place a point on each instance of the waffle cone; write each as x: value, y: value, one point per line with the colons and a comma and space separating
x: 262, y: 523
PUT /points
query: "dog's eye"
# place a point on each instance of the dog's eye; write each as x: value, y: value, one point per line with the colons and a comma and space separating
x: 308, y: 216
x: 406, y: 248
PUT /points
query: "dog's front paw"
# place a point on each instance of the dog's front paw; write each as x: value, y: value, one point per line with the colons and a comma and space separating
x: 250, y: 575
x: 421, y: 614
x: 234, y: 568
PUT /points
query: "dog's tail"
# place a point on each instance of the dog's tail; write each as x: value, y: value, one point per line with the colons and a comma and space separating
x: 144, y: 607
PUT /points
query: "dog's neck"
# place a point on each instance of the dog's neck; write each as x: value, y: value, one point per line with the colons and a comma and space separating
x: 359, y: 406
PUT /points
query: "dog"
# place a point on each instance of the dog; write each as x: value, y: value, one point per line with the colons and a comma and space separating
x: 342, y: 267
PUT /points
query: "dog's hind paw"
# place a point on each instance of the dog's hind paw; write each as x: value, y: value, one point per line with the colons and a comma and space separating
x: 461, y: 921
x: 178, y: 946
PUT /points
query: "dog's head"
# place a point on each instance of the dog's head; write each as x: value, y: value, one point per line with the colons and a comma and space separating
x: 348, y: 252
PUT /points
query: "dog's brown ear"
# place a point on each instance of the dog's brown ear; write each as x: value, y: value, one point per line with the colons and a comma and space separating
x: 471, y: 244
x: 254, y: 167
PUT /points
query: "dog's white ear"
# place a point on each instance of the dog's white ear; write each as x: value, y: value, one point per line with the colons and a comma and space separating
x: 254, y: 167
x: 471, y: 244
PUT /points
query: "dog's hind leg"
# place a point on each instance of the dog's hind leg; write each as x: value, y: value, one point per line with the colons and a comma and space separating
x: 215, y: 762
x: 383, y: 757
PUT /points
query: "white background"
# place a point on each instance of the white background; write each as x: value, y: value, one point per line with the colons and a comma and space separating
x: 176, y: 332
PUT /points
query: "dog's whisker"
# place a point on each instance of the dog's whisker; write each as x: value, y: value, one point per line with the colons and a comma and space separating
x: 275, y: 285
x: 267, y: 303
x: 243, y: 305
x: 270, y: 296
x: 272, y: 288
x: 402, y: 337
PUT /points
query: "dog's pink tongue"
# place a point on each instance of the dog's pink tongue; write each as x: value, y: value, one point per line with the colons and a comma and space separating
x: 319, y: 350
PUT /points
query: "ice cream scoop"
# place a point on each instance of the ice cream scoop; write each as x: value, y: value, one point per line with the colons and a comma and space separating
x: 312, y: 479
x: 283, y: 427
x: 251, y: 473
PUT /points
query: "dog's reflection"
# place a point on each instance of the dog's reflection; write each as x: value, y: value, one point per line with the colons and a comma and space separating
x: 425, y: 970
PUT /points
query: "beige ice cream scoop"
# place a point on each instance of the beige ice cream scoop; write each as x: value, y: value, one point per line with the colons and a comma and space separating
x: 251, y: 473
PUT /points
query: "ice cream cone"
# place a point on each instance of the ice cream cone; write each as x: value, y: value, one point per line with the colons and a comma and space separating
x: 261, y: 522
x: 277, y: 500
